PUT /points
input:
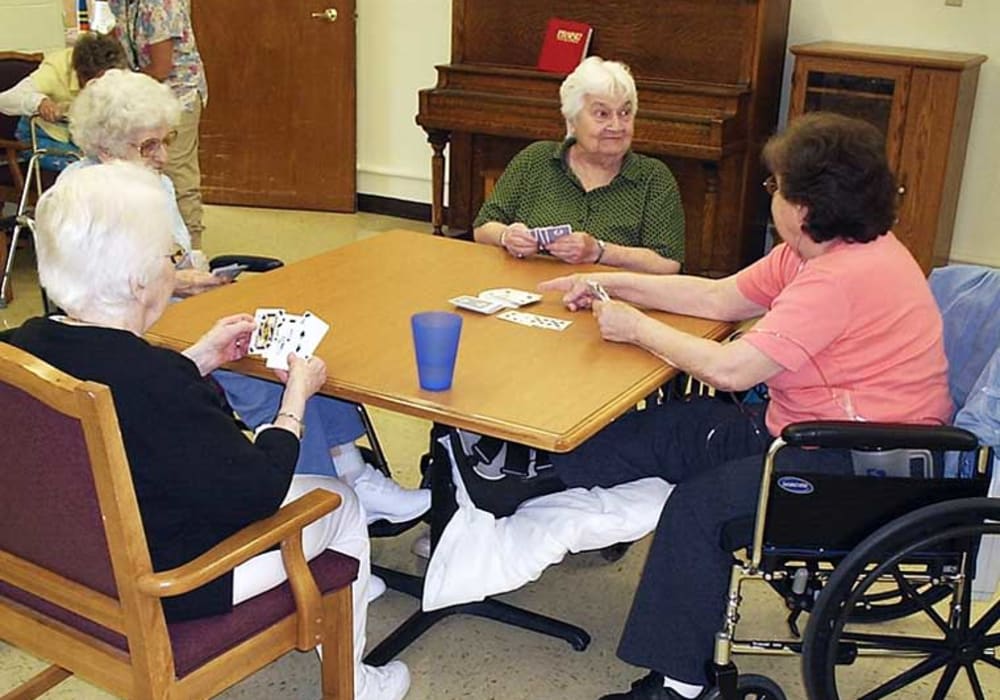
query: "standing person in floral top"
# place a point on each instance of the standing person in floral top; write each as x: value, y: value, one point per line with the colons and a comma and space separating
x: 159, y: 41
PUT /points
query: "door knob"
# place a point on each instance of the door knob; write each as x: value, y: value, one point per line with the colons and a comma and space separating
x: 329, y: 14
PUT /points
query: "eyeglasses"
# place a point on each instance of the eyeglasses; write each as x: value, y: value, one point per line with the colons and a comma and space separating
x: 770, y: 185
x: 176, y: 257
x: 149, y: 147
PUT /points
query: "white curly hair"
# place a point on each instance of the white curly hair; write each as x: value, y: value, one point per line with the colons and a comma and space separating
x: 98, y: 231
x: 108, y: 113
x: 597, y: 78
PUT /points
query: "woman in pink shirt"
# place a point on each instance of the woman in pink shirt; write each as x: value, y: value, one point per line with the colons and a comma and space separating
x: 848, y: 330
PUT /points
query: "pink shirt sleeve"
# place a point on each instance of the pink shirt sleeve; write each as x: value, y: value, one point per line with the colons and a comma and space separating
x: 807, y: 308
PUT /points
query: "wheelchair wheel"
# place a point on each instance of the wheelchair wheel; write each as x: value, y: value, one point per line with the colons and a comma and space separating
x: 942, y: 646
x: 899, y: 601
x: 750, y: 686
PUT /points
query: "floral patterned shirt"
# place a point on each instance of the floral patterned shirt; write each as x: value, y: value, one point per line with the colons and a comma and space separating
x: 142, y: 23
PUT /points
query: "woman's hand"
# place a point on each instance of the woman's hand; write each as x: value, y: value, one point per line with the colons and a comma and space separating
x: 304, y: 377
x: 618, y: 321
x: 49, y: 110
x: 576, y: 248
x: 190, y: 282
x: 577, y: 294
x: 226, y: 341
x: 517, y: 241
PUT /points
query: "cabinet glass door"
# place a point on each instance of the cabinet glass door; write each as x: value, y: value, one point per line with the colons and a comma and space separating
x: 866, y: 97
x: 874, y: 92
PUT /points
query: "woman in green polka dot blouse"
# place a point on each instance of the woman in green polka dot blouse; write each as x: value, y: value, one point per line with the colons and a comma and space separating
x: 624, y: 209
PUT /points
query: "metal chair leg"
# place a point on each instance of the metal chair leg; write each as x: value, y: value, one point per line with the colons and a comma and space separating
x: 380, y: 461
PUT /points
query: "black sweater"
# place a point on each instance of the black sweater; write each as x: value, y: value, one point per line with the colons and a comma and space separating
x: 197, y: 477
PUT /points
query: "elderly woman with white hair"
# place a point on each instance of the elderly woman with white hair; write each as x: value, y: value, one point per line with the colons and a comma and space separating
x: 624, y: 209
x: 130, y: 116
x: 198, y: 478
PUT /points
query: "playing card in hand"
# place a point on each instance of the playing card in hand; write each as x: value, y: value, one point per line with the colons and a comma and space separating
x: 300, y: 335
x: 546, y: 235
x: 278, y: 333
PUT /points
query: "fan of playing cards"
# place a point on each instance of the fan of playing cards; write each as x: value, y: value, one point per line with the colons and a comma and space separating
x: 278, y: 333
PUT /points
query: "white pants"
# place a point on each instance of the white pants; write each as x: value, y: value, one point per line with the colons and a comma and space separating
x: 345, y: 530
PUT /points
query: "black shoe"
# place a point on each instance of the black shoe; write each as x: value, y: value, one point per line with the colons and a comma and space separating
x: 648, y: 688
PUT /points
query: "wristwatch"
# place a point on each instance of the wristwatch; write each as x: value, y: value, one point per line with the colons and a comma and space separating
x: 600, y: 253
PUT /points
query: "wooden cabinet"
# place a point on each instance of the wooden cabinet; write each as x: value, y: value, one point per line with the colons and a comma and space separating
x: 922, y: 101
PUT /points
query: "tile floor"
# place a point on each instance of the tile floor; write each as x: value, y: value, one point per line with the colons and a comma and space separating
x: 462, y: 657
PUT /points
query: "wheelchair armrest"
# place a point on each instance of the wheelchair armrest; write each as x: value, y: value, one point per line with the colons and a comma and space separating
x: 253, y: 263
x: 878, y: 436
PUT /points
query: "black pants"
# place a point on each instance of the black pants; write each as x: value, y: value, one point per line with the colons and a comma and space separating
x: 713, y: 451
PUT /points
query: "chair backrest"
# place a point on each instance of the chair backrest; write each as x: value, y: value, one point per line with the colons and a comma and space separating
x: 969, y: 299
x: 14, y: 67
x: 70, y: 530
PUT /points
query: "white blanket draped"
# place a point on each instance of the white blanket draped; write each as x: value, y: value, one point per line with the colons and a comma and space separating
x: 480, y: 555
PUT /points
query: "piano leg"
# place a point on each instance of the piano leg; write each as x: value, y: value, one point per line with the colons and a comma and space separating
x: 709, y: 209
x: 438, y: 140
x: 442, y: 508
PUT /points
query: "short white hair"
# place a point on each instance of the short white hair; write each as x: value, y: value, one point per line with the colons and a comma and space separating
x: 597, y: 78
x: 111, y: 110
x: 98, y: 229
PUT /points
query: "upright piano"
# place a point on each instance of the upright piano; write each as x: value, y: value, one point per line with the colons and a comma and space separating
x: 708, y: 74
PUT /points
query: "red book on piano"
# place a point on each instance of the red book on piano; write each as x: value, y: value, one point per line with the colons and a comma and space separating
x: 564, y: 46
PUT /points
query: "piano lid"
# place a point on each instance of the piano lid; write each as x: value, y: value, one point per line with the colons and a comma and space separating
x: 701, y: 41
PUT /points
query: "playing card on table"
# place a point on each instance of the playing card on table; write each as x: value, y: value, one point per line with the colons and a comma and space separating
x: 546, y: 235
x: 535, y: 320
x: 511, y: 298
x: 483, y: 306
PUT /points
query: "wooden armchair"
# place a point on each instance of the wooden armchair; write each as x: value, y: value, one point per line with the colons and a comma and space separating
x: 76, y: 583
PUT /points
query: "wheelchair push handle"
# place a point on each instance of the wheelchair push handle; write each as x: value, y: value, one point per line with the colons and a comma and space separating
x: 878, y: 436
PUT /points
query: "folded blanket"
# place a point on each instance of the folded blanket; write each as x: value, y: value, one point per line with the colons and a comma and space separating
x: 480, y: 555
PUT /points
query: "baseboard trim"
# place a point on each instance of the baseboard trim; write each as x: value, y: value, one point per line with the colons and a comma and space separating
x: 390, y: 206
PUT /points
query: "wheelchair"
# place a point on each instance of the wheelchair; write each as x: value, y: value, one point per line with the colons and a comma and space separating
x: 854, y: 551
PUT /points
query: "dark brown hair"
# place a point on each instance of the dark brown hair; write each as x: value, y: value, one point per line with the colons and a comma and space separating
x: 837, y: 168
x: 94, y: 53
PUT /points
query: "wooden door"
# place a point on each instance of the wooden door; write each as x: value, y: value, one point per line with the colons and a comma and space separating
x: 279, y: 129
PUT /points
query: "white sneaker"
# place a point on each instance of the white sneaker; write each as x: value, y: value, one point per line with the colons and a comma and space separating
x: 389, y: 682
x: 422, y: 546
x: 384, y: 499
x: 376, y: 587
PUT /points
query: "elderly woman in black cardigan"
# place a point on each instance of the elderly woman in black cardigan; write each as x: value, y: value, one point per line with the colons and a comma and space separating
x: 105, y: 256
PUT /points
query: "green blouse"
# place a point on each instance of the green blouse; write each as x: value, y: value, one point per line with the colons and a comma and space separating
x: 640, y: 208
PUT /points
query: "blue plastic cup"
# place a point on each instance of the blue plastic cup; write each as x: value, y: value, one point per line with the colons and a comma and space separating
x: 435, y: 342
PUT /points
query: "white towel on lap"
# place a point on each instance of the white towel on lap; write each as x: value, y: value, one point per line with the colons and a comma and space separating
x: 480, y: 555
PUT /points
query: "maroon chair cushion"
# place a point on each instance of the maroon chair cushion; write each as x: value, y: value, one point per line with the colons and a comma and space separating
x: 197, y: 642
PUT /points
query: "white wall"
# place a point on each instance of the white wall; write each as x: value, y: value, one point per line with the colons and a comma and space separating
x: 400, y: 41
x: 31, y: 25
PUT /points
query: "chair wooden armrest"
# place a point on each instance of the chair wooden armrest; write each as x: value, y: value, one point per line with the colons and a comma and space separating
x: 255, y: 539
x: 284, y: 527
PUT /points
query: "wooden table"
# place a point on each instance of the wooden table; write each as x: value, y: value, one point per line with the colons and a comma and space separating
x: 548, y: 389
